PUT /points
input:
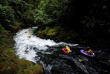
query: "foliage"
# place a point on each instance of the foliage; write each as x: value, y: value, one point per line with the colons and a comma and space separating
x: 50, y: 11
x: 42, y: 18
x: 6, y: 14
x: 2, y: 30
x: 17, y: 13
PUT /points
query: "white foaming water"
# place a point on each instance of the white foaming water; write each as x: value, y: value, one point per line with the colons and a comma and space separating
x: 25, y: 46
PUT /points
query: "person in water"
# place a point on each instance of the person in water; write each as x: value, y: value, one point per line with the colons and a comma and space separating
x: 68, y: 49
x: 90, y: 52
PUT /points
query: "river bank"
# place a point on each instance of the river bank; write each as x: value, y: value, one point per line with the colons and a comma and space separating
x: 95, y: 37
x: 10, y: 63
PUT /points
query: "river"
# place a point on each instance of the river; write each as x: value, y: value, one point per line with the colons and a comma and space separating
x: 48, y: 53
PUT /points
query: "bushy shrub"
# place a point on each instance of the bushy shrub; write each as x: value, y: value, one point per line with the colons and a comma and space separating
x: 50, y: 11
x: 6, y: 14
x: 2, y: 29
x: 42, y: 18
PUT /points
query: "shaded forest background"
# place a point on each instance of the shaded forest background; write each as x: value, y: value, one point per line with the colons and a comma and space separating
x: 73, y: 21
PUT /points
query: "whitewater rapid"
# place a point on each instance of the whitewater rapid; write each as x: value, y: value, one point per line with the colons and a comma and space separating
x: 25, y: 46
x: 48, y: 53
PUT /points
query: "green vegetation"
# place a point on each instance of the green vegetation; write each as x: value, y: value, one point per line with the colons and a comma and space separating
x: 17, y: 13
x: 49, y: 11
x: 58, y: 34
x: 2, y: 29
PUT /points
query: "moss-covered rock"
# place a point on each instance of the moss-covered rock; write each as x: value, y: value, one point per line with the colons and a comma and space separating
x: 33, y: 70
x: 58, y: 33
x: 47, y: 32
x: 15, y: 28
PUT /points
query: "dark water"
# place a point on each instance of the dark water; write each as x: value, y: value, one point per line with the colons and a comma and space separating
x: 57, y: 62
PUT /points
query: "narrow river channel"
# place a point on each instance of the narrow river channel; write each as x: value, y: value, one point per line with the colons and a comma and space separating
x: 49, y: 53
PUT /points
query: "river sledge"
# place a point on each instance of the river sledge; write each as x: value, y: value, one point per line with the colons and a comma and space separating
x: 85, y: 53
x: 25, y: 32
x: 29, y: 36
x: 64, y: 50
